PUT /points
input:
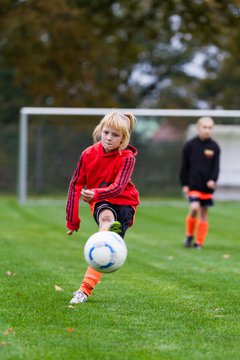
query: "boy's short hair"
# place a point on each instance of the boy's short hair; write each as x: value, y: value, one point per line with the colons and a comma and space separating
x: 205, y: 118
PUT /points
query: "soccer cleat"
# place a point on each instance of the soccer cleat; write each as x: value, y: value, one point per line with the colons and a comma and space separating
x: 188, y: 241
x: 116, y: 227
x: 79, y: 297
x: 197, y: 246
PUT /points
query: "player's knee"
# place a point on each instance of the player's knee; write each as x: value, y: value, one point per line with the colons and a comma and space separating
x: 194, y: 209
x: 106, y: 216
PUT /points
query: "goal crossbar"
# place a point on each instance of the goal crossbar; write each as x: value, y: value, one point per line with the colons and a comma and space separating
x: 136, y: 112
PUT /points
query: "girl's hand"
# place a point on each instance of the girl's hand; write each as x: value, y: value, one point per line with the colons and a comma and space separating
x: 185, y: 190
x: 87, y: 195
x: 70, y: 232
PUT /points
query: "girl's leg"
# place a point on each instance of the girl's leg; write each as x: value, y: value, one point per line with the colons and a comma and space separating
x: 92, y: 277
x: 106, y: 217
x: 202, y: 228
x: 191, y: 222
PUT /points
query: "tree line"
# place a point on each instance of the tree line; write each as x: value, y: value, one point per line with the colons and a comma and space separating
x: 127, y: 53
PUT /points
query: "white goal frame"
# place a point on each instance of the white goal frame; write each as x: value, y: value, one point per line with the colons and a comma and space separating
x: 25, y: 112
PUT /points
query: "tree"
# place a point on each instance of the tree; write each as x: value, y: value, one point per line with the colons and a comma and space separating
x: 117, y: 54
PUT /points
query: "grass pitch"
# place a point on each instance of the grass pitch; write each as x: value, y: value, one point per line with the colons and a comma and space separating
x: 166, y: 302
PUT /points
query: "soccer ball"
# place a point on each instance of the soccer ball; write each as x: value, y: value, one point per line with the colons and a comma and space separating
x: 105, y: 251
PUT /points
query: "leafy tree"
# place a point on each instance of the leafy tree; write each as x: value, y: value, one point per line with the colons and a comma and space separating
x: 190, y: 31
x: 118, y: 53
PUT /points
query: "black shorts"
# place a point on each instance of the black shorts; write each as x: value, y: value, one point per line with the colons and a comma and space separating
x: 205, y: 199
x: 203, y: 202
x: 122, y: 213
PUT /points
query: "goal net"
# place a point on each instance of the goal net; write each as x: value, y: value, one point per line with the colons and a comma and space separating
x: 52, y: 139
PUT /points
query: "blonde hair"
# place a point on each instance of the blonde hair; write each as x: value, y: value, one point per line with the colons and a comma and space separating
x: 123, y: 123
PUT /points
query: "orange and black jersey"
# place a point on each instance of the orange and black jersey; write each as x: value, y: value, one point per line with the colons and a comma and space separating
x: 107, y: 174
x: 200, y: 163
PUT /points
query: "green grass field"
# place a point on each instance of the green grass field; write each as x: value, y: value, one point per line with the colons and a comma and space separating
x: 166, y: 302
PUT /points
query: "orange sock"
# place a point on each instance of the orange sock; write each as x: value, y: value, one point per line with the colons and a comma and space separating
x: 91, y: 278
x: 201, y: 232
x: 190, y: 225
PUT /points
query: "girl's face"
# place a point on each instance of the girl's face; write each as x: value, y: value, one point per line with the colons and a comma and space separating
x: 110, y: 138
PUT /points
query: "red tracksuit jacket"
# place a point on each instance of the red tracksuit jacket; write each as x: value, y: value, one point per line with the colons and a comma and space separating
x: 107, y: 174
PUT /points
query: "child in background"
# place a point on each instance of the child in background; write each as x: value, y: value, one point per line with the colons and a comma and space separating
x: 198, y: 175
x: 102, y: 178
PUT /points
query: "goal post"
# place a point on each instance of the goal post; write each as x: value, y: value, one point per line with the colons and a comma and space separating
x: 26, y: 112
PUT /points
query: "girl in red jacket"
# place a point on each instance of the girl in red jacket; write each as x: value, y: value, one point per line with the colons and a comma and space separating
x: 102, y: 178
